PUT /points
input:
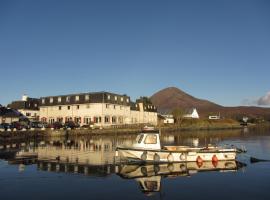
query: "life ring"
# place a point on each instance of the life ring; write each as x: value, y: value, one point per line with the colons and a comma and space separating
x: 156, y: 169
x: 144, y: 171
x: 170, y: 167
x: 183, y: 167
x: 156, y: 158
x: 144, y: 155
x: 183, y: 156
x: 170, y: 158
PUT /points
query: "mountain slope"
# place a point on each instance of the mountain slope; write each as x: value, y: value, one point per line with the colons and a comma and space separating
x: 171, y: 98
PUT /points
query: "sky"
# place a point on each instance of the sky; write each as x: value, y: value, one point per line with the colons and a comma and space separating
x: 216, y: 50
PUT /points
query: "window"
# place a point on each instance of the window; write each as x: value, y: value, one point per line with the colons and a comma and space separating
x: 121, y: 107
x: 114, y: 119
x: 78, y: 107
x: 28, y: 114
x: 122, y: 99
x: 59, y: 99
x: 35, y: 105
x: 87, y: 97
x: 68, y: 107
x: 139, y: 138
x: 68, y: 99
x: 114, y: 106
x: 107, y: 119
x: 109, y: 97
x: 87, y: 106
x: 59, y: 107
x: 87, y: 120
x: 51, y: 100
x: 43, y: 101
x: 150, y: 139
x: 115, y: 98
x: 107, y: 105
x: 77, y: 98
x: 127, y: 100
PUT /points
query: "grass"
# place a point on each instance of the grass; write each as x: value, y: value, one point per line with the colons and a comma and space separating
x: 194, y: 124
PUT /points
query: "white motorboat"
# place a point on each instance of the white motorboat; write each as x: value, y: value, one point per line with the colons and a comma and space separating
x: 148, y: 149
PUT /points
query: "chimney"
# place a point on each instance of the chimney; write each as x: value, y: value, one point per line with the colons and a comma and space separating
x: 24, y: 97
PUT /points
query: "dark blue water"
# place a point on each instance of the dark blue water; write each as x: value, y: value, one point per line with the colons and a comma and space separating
x: 88, y: 172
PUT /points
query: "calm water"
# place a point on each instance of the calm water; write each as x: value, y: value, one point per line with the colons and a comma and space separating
x: 83, y: 168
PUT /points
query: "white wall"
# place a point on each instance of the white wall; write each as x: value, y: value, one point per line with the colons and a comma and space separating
x: 122, y: 113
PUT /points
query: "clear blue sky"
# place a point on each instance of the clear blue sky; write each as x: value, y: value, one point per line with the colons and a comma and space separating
x: 216, y: 50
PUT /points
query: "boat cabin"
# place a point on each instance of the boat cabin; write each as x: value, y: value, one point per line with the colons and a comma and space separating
x: 149, y: 140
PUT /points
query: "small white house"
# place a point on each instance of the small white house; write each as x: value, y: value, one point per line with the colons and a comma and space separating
x: 192, y: 113
x: 214, y: 117
x: 168, y: 119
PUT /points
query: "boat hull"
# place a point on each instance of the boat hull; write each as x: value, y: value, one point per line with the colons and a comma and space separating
x: 199, y: 155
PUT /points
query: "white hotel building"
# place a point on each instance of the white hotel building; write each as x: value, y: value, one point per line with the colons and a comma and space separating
x: 101, y: 108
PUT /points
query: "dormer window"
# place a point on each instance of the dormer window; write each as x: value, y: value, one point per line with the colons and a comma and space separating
x: 68, y: 99
x: 127, y: 100
x: 109, y: 97
x: 87, y: 97
x: 115, y: 98
x: 77, y: 98
x: 51, y: 100
x: 59, y: 99
x: 43, y: 101
x: 122, y: 99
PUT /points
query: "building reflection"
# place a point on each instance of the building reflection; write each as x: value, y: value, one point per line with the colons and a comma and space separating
x: 94, y: 156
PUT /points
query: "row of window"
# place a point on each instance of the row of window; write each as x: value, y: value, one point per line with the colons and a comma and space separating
x: 87, y: 120
x: 88, y: 106
x: 77, y: 98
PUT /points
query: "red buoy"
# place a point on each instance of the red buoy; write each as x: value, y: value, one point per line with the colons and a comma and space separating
x: 199, y: 161
x: 214, y: 158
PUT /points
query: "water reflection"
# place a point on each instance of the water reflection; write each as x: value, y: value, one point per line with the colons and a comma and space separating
x: 93, y: 156
x: 149, y: 176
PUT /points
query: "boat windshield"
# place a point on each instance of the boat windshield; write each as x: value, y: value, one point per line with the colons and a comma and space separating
x: 139, y: 138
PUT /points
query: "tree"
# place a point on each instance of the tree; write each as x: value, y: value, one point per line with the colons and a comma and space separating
x: 178, y: 114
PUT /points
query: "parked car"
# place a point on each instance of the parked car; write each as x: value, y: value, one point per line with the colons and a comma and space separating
x: 16, y: 125
x: 86, y: 126
x: 36, y: 124
x: 56, y: 125
x: 6, y: 126
x: 2, y: 128
x: 71, y: 125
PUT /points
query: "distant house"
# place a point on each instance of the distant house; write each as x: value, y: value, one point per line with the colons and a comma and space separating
x: 168, y: 119
x: 8, y: 115
x: 213, y: 117
x: 27, y: 106
x: 191, y: 114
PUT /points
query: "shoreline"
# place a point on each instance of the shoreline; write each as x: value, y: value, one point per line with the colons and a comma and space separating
x: 6, y: 135
x: 38, y: 133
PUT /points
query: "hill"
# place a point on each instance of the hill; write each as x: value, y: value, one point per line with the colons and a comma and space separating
x: 171, y: 98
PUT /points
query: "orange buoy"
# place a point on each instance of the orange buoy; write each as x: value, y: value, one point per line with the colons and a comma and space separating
x: 214, y: 158
x: 199, y: 161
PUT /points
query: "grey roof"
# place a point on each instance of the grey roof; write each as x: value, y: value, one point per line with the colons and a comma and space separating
x: 7, y: 112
